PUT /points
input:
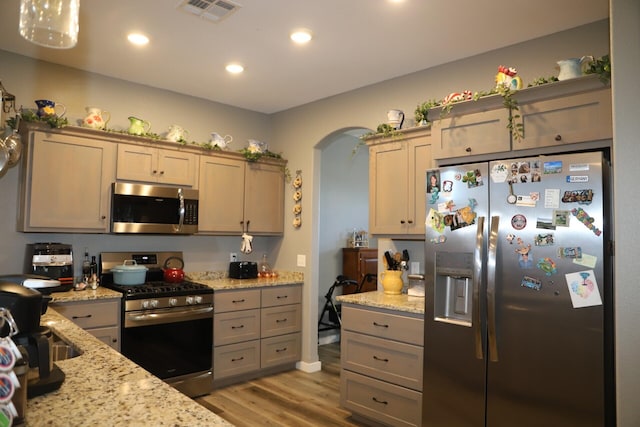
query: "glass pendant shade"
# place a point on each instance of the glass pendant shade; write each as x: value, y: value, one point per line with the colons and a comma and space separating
x: 50, y: 23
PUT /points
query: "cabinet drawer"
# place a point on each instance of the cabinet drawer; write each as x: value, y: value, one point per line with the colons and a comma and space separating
x: 91, y: 314
x: 281, y: 295
x: 386, y: 403
x: 567, y: 120
x: 236, y: 326
x: 236, y: 300
x: 395, y: 362
x: 383, y: 325
x: 280, y: 350
x: 235, y: 359
x: 280, y: 320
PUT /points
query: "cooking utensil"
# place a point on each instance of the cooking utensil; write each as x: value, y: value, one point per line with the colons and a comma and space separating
x: 173, y: 270
x: 129, y: 273
x: 4, y: 156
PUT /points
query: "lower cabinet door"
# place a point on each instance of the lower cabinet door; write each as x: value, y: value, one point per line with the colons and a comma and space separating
x: 235, y: 359
x: 280, y: 350
x: 380, y: 401
x: 109, y: 335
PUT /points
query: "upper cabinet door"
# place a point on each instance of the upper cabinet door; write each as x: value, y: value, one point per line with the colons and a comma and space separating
x: 155, y: 165
x: 69, y: 183
x: 221, y: 189
x: 264, y: 198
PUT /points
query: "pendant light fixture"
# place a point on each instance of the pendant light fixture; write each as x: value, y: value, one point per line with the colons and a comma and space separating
x: 50, y: 23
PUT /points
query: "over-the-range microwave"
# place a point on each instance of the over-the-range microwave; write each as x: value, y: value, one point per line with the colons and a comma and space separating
x: 153, y: 209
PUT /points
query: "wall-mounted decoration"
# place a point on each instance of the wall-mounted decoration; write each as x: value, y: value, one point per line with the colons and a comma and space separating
x: 297, y: 197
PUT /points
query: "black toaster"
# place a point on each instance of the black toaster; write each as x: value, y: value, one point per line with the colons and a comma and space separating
x: 243, y: 270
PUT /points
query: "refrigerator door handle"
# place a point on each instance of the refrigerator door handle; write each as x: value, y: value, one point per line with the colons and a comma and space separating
x: 491, y: 289
x: 477, y: 274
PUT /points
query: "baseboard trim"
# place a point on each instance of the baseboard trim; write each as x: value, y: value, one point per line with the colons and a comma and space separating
x: 309, y: 367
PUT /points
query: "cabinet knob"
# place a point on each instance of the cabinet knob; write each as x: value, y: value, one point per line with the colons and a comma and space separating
x: 114, y: 340
x: 103, y: 217
x: 402, y: 221
x: 410, y: 221
x: 468, y: 149
x: 161, y: 172
x: 558, y: 138
x: 154, y: 172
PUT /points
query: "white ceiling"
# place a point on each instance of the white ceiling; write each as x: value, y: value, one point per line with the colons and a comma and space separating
x: 357, y: 42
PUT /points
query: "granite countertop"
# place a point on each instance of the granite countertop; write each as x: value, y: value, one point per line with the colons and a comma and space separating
x: 219, y: 281
x: 402, y: 302
x: 102, y: 387
x: 85, y: 295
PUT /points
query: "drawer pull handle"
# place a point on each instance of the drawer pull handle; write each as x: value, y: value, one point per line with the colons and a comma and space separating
x: 380, y: 359
x: 87, y: 316
x: 237, y: 301
x: 237, y: 327
x: 280, y: 350
x: 282, y: 297
x: 237, y: 359
x: 384, y: 402
x: 281, y: 320
x: 380, y: 324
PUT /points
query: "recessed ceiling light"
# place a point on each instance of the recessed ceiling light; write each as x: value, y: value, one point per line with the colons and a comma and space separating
x: 301, y: 36
x: 234, y: 68
x: 138, y: 39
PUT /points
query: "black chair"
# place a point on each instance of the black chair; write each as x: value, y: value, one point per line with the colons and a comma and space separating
x: 334, y: 318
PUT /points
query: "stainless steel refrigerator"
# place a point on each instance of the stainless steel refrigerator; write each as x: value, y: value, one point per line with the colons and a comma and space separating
x: 518, y: 285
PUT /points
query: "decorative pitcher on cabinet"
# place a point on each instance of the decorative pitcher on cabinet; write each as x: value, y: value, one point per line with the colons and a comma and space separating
x: 137, y: 126
x: 572, y: 67
x: 95, y: 118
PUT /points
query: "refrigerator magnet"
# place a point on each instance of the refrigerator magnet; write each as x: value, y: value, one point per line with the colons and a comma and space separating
x: 519, y: 221
x: 587, y: 220
x: 531, y: 283
x: 543, y: 239
x: 552, y: 167
x: 499, y: 172
x: 583, y: 289
x: 561, y: 217
x: 547, y: 265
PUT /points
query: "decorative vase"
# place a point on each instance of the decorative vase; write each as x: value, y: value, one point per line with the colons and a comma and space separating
x: 392, y: 282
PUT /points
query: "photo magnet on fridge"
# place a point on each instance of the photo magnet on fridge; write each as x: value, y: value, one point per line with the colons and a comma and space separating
x: 583, y: 289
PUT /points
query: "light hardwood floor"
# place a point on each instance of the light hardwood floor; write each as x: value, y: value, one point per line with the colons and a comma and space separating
x: 292, y: 398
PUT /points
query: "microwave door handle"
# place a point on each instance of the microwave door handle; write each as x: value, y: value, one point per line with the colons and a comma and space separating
x: 180, y: 211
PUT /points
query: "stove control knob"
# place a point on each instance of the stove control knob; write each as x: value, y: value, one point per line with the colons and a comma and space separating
x: 189, y: 300
x: 154, y: 303
x: 145, y: 304
x: 198, y: 299
x: 173, y: 302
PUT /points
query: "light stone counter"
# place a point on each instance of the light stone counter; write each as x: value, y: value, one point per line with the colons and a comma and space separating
x: 85, y: 295
x: 102, y: 387
x: 220, y: 281
x: 379, y: 299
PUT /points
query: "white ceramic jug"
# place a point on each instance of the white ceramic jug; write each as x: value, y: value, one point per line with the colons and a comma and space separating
x: 177, y: 133
x: 395, y: 118
x: 95, y: 118
x: 572, y: 67
x: 221, y: 141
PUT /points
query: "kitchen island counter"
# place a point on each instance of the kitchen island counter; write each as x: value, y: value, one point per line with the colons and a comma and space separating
x: 219, y: 281
x: 102, y: 387
x: 85, y: 295
x: 402, y: 302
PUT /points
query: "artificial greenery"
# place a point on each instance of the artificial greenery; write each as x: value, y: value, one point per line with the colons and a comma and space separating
x: 29, y: 116
x: 421, y: 113
x: 602, y: 67
x: 542, y: 81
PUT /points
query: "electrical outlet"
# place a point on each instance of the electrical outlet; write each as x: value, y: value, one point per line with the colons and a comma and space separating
x: 302, y: 261
x: 233, y: 257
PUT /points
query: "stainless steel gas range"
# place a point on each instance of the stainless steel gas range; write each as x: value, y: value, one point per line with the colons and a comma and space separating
x: 167, y: 328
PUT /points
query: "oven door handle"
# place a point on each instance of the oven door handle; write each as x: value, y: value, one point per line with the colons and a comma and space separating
x: 141, y: 318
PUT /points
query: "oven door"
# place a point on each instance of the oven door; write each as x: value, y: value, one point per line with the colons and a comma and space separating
x: 170, y: 342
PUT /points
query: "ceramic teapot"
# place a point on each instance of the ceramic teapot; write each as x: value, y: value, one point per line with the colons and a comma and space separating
x: 221, y: 141
x: 395, y: 118
x: 572, y: 67
x: 95, y: 118
x: 48, y: 108
x: 177, y: 133
x: 137, y: 126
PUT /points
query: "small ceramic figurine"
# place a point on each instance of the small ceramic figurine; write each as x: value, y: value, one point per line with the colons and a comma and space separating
x: 507, y: 77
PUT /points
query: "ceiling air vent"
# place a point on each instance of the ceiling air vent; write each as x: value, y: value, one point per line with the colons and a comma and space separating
x: 212, y: 10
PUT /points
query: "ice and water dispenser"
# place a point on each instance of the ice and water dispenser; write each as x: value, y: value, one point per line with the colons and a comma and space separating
x: 453, y: 289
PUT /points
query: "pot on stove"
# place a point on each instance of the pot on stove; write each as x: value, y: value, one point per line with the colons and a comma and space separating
x: 129, y: 273
x: 173, y: 270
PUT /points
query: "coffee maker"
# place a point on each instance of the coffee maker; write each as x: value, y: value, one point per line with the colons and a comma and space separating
x: 27, y: 306
x: 53, y: 260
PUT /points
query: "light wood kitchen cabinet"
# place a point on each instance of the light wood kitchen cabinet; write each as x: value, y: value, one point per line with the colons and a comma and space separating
x: 256, y: 332
x: 65, y: 182
x: 552, y: 120
x: 356, y: 262
x: 397, y: 191
x: 555, y: 114
x: 236, y: 195
x: 381, y: 365
x: 101, y: 318
x: 156, y: 165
